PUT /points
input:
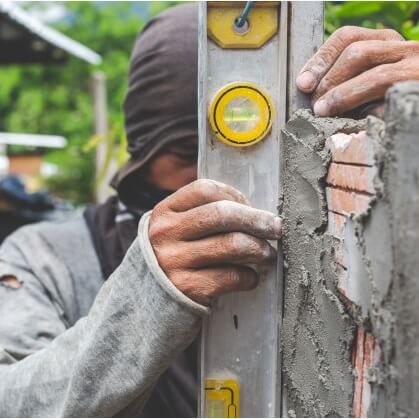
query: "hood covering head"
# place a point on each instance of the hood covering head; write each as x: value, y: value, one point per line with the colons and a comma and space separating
x: 161, y: 103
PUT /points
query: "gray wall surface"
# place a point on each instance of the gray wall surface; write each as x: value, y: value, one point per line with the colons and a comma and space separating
x: 350, y: 200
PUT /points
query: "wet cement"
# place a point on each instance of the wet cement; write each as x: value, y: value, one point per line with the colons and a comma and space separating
x: 317, y: 331
x: 319, y: 326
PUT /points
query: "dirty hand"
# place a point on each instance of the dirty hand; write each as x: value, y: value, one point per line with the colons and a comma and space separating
x: 356, y: 66
x: 205, y: 235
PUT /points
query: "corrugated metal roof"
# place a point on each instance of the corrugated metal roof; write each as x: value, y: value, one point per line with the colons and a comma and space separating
x: 47, y: 34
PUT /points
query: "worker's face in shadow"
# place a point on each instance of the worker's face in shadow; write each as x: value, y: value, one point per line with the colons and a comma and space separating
x: 175, y: 166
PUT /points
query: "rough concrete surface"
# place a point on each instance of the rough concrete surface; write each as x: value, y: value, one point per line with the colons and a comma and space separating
x: 317, y: 332
x: 401, y: 177
x: 350, y: 334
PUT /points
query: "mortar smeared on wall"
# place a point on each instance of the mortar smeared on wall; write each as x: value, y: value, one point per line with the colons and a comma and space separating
x: 350, y: 334
x: 319, y: 323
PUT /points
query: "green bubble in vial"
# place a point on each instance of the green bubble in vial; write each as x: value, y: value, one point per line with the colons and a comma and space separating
x: 214, y: 408
x: 242, y: 114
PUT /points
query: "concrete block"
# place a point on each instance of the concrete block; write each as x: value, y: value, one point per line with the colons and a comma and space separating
x: 401, y: 179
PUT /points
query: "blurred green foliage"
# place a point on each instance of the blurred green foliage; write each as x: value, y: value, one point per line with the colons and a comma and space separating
x: 403, y: 16
x: 57, y: 99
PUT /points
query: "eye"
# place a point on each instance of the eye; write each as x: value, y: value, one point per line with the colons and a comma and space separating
x: 187, y: 154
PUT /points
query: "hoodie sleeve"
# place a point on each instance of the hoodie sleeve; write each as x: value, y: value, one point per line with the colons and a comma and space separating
x: 110, y: 359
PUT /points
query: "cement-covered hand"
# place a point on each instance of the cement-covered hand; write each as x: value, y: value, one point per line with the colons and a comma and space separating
x: 356, y: 66
x: 205, y: 235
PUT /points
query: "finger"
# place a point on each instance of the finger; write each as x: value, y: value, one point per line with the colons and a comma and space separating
x: 368, y: 86
x: 361, y: 56
x: 317, y: 67
x: 204, y: 284
x: 231, y: 248
x: 228, y: 216
x: 201, y: 192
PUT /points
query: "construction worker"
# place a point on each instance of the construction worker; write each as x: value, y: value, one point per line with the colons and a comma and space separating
x: 98, y: 314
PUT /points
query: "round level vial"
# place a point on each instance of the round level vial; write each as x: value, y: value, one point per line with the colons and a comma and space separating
x: 241, y: 114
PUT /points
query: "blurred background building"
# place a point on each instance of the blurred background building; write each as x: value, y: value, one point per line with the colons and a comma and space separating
x: 24, y: 40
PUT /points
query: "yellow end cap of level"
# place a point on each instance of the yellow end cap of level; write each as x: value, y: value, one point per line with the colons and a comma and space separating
x: 263, y: 25
x: 241, y: 114
x: 222, y: 398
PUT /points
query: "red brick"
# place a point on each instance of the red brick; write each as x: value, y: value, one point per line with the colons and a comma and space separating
x: 347, y: 203
x: 358, y: 364
x: 354, y: 178
x: 351, y: 148
x: 366, y: 355
x: 336, y: 224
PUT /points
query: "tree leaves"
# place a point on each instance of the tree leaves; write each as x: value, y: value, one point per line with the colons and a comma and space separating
x: 57, y: 99
x: 399, y: 15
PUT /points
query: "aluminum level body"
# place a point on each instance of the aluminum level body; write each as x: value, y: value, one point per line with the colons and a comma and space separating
x: 241, y: 338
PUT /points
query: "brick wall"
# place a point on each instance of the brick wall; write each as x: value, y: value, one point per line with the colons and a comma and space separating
x: 347, y: 293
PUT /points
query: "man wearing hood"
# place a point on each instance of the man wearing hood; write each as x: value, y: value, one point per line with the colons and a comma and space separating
x: 93, y: 310
x: 98, y: 314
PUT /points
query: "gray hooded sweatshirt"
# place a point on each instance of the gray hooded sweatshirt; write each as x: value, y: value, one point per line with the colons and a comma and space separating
x: 72, y: 345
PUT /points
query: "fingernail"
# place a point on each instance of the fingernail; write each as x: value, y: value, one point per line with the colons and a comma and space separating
x: 321, y: 108
x: 306, y: 80
x: 278, y: 226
